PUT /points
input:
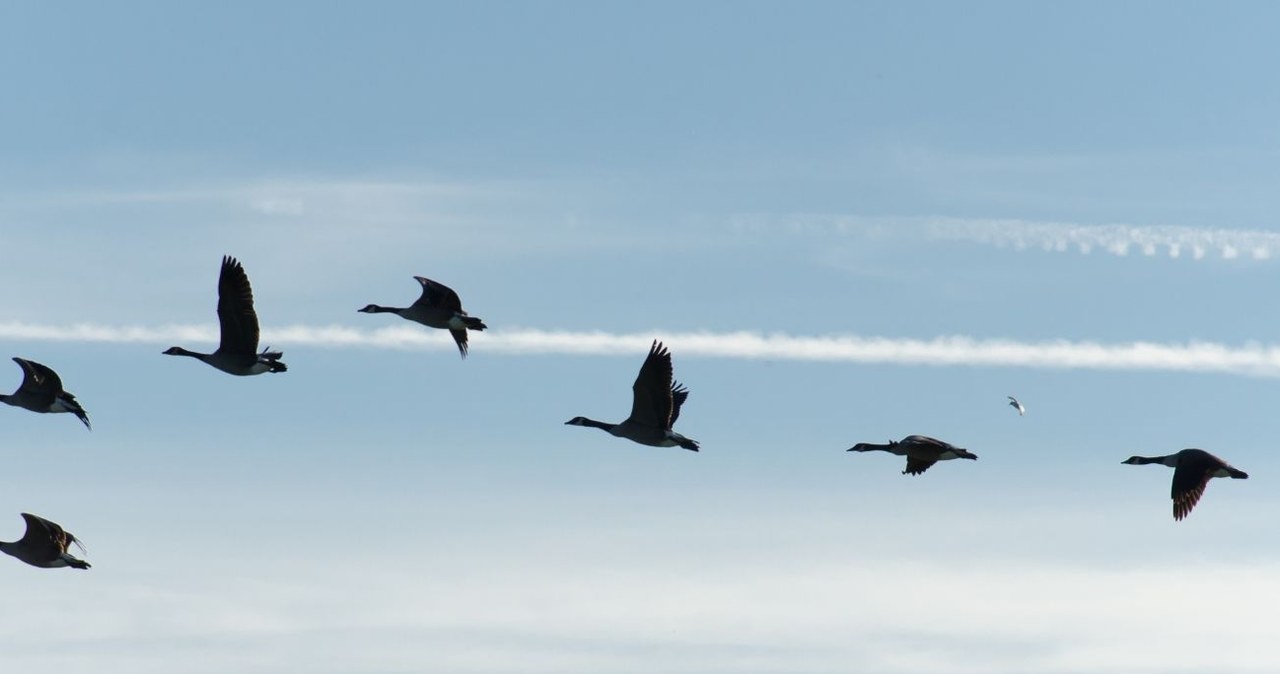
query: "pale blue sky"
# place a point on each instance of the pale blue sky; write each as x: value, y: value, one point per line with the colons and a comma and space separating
x: 656, y: 170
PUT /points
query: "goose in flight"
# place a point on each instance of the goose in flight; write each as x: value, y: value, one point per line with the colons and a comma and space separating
x: 1192, y: 470
x: 237, y: 352
x: 438, y: 307
x: 655, y: 406
x: 45, y: 545
x: 921, y: 451
x: 1013, y: 402
x: 41, y: 391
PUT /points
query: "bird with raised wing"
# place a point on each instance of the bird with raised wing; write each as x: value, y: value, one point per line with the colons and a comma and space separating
x: 41, y: 391
x: 921, y: 451
x: 438, y: 307
x: 45, y: 545
x: 1192, y: 470
x: 1013, y: 402
x: 237, y: 351
x: 655, y: 406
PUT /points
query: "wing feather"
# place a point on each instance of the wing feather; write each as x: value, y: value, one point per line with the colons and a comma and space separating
x: 438, y: 295
x: 39, y: 380
x: 236, y: 317
x: 917, y: 466
x: 652, y: 398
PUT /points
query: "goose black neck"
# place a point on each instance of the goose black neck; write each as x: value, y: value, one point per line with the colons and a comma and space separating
x: 179, y: 351
x: 598, y: 424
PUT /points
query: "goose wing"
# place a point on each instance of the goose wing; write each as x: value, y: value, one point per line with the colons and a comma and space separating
x: 236, y: 317
x: 39, y: 380
x: 460, y: 338
x: 678, y: 395
x: 917, y: 466
x: 1188, y: 486
x: 45, y: 539
x: 438, y: 295
x: 652, y: 397
x: 927, y: 443
x: 1192, y: 474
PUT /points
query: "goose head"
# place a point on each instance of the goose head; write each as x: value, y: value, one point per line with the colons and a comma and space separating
x: 1142, y: 460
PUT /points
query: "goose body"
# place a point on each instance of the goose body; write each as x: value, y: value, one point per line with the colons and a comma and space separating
x: 41, y: 391
x: 237, y: 351
x: 655, y: 406
x: 1013, y: 402
x: 1192, y: 470
x: 438, y: 307
x: 44, y: 545
x: 921, y: 451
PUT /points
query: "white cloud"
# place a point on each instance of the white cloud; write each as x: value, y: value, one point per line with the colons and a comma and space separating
x: 1249, y: 360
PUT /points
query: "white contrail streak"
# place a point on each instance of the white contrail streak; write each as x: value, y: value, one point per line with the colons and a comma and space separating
x: 1248, y: 360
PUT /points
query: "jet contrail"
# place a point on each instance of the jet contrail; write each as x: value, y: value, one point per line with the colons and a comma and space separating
x: 1247, y: 360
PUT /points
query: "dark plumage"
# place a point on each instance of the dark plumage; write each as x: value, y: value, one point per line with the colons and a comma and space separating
x: 45, y: 545
x: 921, y: 451
x: 438, y: 307
x: 655, y: 405
x: 237, y: 351
x: 41, y: 391
x: 1192, y: 470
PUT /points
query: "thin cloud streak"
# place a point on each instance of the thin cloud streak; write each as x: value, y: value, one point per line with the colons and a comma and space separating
x: 1116, y: 239
x: 1206, y: 357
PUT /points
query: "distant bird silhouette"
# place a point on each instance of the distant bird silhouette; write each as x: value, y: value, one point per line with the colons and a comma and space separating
x: 44, y: 545
x: 921, y: 451
x: 1013, y: 402
x: 41, y: 391
x: 237, y: 352
x: 655, y: 405
x: 1192, y: 470
x: 438, y: 307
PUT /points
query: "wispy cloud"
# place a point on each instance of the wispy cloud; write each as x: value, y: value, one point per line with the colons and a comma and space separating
x: 1249, y: 360
x: 1116, y: 239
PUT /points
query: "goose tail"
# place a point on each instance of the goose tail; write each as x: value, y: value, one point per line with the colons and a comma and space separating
x: 272, y: 360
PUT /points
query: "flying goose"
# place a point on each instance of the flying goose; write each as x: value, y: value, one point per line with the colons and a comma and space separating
x: 41, y: 391
x: 237, y: 352
x: 921, y: 451
x: 437, y: 307
x: 1013, y: 402
x: 45, y: 545
x: 655, y: 406
x: 1192, y: 470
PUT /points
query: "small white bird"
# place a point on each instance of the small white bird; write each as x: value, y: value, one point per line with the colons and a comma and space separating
x: 1013, y: 402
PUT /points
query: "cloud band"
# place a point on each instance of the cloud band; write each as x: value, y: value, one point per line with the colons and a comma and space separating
x: 1206, y: 357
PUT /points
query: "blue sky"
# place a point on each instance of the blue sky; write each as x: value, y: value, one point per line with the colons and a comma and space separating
x: 849, y: 222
